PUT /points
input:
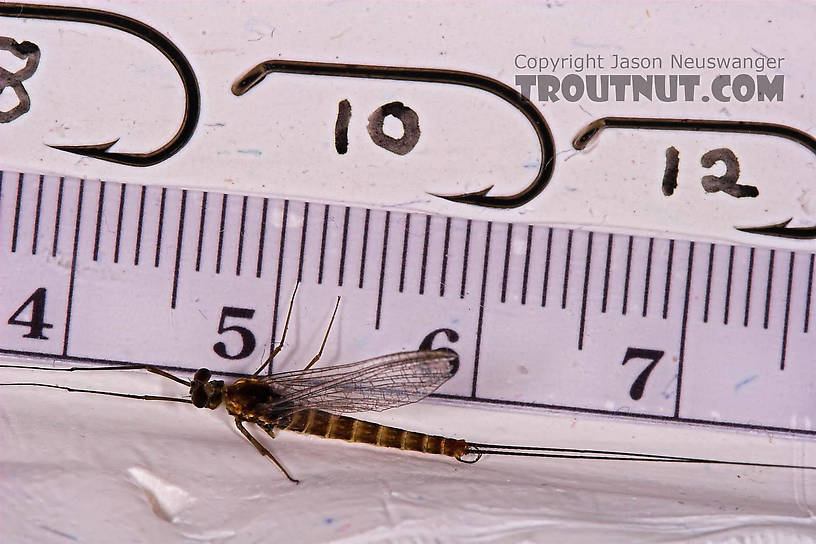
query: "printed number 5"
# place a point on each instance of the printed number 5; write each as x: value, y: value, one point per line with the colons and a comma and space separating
x: 247, y: 338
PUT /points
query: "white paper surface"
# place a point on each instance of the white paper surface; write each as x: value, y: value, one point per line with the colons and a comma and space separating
x: 92, y: 469
x: 83, y: 468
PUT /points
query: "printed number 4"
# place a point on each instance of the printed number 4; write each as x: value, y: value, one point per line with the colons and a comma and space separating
x: 37, y: 322
x: 654, y: 355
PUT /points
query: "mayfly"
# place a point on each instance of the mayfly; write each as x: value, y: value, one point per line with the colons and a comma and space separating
x: 311, y: 401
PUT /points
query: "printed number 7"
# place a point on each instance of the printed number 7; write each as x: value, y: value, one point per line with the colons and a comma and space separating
x: 636, y: 391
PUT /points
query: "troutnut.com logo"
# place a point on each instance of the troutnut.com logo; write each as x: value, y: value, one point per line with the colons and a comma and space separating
x: 720, y: 78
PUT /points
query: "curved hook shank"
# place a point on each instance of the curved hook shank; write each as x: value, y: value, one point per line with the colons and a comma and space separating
x: 192, y: 98
x: 589, y: 132
x: 432, y: 75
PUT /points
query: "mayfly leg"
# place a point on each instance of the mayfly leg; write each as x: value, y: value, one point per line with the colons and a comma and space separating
x: 148, y: 368
x: 261, y: 449
x: 279, y: 347
x: 325, y: 337
x: 92, y: 391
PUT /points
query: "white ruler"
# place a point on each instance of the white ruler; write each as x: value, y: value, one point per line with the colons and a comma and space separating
x: 543, y: 317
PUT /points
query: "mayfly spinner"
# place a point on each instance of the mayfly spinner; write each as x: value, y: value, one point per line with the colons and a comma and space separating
x: 310, y: 401
x: 307, y: 401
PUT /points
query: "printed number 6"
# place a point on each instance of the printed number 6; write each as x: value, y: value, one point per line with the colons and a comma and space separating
x: 247, y: 338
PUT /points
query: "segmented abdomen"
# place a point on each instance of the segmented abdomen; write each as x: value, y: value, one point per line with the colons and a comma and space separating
x: 327, y: 425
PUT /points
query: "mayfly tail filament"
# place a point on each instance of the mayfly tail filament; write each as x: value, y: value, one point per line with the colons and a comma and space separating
x: 479, y: 450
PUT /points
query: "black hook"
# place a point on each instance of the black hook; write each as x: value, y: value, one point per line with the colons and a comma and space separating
x: 782, y: 230
x: 192, y: 104
x: 589, y: 132
x: 431, y: 75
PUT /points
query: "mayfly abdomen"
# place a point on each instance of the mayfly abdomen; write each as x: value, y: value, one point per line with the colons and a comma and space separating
x: 328, y: 425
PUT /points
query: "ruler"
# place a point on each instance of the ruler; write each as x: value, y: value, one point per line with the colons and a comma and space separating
x: 542, y: 317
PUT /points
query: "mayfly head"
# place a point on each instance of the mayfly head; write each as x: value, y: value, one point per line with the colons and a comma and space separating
x: 205, y: 393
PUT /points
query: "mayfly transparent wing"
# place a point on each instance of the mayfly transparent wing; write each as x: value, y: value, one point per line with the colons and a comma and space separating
x: 374, y: 384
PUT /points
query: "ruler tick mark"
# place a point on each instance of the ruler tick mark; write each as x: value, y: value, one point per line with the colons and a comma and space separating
x: 443, y: 277
x: 365, y: 247
x: 139, y: 227
x: 648, y: 280
x: 667, y: 290
x: 303, y: 241
x: 809, y: 293
x: 37, y: 217
x: 382, y: 270
x: 99, y: 210
x: 201, y: 230
x: 507, y: 249
x: 73, y: 268
x: 179, y: 240
x: 787, y: 313
x: 323, y: 245
x: 769, y: 289
x: 587, y: 270
x: 526, y: 274
x: 566, y: 270
x: 279, y: 277
x: 480, y: 320
x: 57, y: 217
x: 728, y: 285
x: 607, y: 269
x: 343, y: 246
x: 119, y: 217
x: 241, y: 236
x: 404, y: 251
x: 424, y: 255
x: 17, y: 214
x: 160, y: 228
x: 626, y: 277
x: 261, y: 239
x: 683, y: 330
x: 708, y: 282
x: 547, y: 268
x: 465, y: 259
x: 748, y: 287
x: 221, y: 228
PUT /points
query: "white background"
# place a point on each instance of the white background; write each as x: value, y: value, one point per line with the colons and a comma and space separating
x: 95, y: 469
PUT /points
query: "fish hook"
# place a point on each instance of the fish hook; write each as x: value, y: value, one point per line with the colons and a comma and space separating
x: 780, y: 229
x: 431, y: 75
x: 192, y: 97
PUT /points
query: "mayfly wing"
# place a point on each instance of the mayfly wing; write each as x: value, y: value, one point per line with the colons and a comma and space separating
x: 374, y: 384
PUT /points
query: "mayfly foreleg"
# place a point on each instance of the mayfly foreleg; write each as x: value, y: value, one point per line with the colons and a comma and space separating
x: 325, y: 337
x: 92, y: 391
x: 279, y: 347
x: 261, y: 449
x: 148, y: 368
